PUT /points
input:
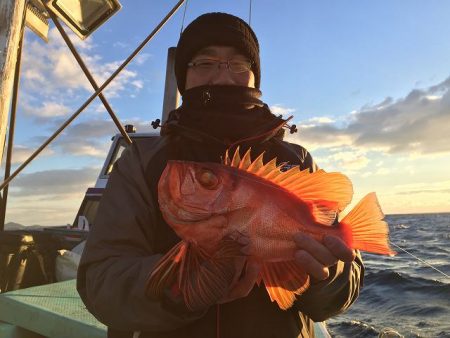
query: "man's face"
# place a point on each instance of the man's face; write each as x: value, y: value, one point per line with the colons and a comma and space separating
x: 222, y: 75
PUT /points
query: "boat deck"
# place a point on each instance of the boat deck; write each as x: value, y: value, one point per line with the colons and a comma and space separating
x: 52, y: 310
x: 56, y: 311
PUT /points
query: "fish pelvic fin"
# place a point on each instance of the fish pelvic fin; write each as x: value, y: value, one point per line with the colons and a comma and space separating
x: 202, y: 279
x: 332, y: 191
x: 364, y: 227
x: 166, y: 271
x: 284, y: 281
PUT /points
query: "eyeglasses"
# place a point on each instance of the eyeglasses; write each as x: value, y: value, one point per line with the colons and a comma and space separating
x: 209, y: 65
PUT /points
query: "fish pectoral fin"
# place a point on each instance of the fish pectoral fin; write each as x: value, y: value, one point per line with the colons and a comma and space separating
x: 166, y: 270
x: 283, y: 281
x: 207, y: 279
x: 202, y: 279
x: 323, y: 214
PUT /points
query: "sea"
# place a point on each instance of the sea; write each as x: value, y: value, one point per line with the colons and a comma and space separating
x: 402, y: 296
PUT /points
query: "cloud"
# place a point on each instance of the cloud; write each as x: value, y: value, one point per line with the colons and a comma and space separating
x: 46, y: 110
x: 351, y: 160
x: 138, y: 84
x: 427, y: 191
x: 31, y: 211
x: 48, y: 197
x: 102, y: 71
x: 58, y: 182
x: 415, y: 124
x: 51, y: 73
x: 422, y: 187
x: 321, y: 120
x: 120, y: 44
x: 93, y: 137
x: 142, y: 58
x: 21, y: 153
x: 280, y: 110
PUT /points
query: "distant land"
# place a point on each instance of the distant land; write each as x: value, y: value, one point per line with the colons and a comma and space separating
x: 16, y: 226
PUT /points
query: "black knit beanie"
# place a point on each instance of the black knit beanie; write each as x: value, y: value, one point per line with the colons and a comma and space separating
x: 216, y: 29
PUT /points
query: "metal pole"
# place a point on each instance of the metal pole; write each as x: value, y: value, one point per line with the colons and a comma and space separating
x: 12, y: 122
x: 171, y: 94
x: 93, y: 96
x: 88, y: 74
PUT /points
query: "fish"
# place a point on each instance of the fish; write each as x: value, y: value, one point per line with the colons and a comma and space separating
x: 217, y: 208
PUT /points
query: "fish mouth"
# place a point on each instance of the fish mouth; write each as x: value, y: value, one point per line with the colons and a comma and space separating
x: 186, y: 217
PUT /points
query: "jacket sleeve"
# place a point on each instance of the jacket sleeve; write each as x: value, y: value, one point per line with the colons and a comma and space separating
x: 119, y: 255
x: 335, y: 294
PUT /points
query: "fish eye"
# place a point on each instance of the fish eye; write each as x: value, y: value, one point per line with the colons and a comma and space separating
x: 207, y: 179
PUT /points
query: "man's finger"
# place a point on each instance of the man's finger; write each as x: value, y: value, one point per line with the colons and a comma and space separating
x: 316, y: 249
x: 339, y: 248
x: 311, y: 266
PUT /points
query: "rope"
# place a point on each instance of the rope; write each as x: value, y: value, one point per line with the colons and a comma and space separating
x: 184, y: 16
x: 421, y: 260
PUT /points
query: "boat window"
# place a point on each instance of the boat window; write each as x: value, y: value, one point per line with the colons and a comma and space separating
x: 119, y: 149
x: 88, y: 210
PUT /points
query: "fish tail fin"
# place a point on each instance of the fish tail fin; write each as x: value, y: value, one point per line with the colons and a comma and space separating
x: 202, y: 279
x: 283, y: 281
x: 364, y: 227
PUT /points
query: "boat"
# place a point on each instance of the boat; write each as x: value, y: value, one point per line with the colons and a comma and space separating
x: 33, y: 301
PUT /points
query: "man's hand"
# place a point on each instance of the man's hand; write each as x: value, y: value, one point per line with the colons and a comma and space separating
x: 243, y: 286
x: 313, y: 256
x: 316, y: 257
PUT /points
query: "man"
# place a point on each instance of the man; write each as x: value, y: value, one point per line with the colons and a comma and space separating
x: 218, y: 73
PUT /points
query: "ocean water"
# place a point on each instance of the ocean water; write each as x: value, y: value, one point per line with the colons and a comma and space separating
x: 401, y: 292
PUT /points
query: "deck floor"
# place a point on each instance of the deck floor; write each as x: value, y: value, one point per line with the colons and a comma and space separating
x: 52, y: 310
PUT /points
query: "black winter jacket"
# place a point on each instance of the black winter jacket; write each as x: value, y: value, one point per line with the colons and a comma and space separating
x: 129, y: 236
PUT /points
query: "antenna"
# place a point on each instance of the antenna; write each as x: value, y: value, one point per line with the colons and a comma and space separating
x: 250, y: 13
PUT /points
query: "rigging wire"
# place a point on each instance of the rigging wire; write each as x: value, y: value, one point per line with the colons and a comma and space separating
x: 250, y: 14
x: 184, y: 16
x: 421, y: 260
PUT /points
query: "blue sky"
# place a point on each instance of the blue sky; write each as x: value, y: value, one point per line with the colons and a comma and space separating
x: 367, y: 82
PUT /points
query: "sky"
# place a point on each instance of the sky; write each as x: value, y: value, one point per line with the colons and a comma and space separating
x: 368, y: 84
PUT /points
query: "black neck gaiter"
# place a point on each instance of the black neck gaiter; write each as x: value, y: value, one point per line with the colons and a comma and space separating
x: 227, y: 114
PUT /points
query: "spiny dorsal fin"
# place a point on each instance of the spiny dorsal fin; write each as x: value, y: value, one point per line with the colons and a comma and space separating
x: 245, y: 161
x: 333, y: 190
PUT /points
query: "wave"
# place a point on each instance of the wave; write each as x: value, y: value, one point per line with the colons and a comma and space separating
x: 406, y: 282
x: 352, y: 328
x: 401, y: 226
x: 402, y: 292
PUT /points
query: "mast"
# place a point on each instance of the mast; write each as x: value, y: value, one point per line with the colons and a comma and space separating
x: 171, y: 94
x: 12, y: 14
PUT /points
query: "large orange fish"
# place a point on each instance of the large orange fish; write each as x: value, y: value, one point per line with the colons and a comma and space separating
x: 211, y: 206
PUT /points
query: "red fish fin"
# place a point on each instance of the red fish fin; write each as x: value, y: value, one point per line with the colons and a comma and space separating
x: 333, y: 190
x: 364, y: 227
x: 166, y: 270
x: 206, y: 279
x: 283, y: 281
x: 323, y: 214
